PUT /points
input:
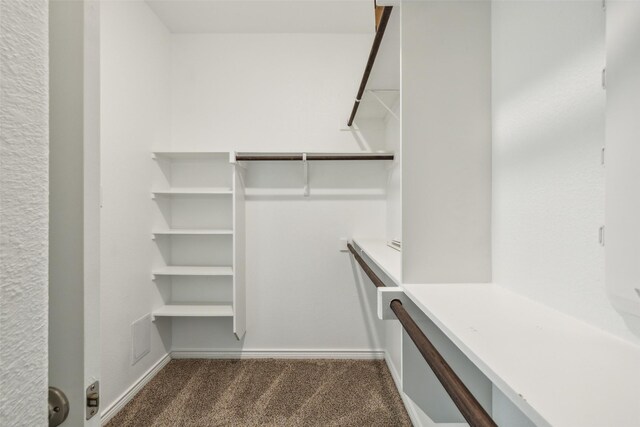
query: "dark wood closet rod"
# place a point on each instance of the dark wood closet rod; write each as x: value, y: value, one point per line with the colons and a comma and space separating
x: 466, y: 403
x: 310, y: 157
x: 386, y: 13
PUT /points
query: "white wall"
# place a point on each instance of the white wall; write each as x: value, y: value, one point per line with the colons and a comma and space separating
x: 280, y: 92
x: 135, y: 68
x: 446, y: 175
x: 623, y: 135
x: 446, y: 141
x: 394, y: 186
x: 24, y: 212
x: 548, y: 130
x: 265, y: 92
x: 66, y: 219
x: 236, y: 92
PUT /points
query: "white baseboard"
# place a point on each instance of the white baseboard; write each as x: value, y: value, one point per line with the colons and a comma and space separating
x: 130, y: 393
x: 394, y: 372
x: 278, y: 354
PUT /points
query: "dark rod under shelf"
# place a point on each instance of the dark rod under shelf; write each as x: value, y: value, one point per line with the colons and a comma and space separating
x: 310, y: 157
x: 466, y: 403
x: 369, y: 272
x: 386, y: 13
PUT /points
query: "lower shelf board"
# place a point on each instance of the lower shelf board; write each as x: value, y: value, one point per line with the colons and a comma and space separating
x: 179, y: 310
x: 193, y: 271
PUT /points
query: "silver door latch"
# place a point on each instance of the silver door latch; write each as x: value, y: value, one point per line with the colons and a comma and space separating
x: 93, y: 399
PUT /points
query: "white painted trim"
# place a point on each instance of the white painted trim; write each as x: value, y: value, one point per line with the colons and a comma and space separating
x: 126, y: 397
x: 278, y: 354
x: 394, y: 372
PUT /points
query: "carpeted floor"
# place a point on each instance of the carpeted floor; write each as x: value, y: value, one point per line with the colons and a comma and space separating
x: 267, y: 392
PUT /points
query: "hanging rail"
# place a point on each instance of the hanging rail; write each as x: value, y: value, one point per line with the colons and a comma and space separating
x: 248, y: 157
x: 386, y: 13
x: 466, y: 403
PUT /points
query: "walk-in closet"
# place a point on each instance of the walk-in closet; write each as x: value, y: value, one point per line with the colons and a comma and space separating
x: 349, y: 213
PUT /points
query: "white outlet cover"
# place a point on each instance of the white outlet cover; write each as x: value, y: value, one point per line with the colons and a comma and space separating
x: 140, y: 338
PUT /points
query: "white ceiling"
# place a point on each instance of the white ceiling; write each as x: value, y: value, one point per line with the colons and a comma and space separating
x: 265, y: 16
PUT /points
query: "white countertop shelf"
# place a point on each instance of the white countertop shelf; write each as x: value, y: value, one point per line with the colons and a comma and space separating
x: 192, y: 191
x: 193, y: 271
x: 558, y: 370
x: 386, y: 258
x: 191, y: 232
x: 177, y: 155
x: 179, y: 310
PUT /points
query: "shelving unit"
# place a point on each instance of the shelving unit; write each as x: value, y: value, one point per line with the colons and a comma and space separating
x: 203, y: 235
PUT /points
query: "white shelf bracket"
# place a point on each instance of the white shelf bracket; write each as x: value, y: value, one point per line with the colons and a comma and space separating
x: 305, y: 170
x: 384, y: 105
x: 385, y: 296
x: 234, y: 161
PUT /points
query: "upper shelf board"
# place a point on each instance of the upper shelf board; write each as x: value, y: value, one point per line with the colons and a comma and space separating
x: 389, y: 260
x: 192, y: 191
x: 314, y: 156
x: 178, y: 155
x: 191, y: 232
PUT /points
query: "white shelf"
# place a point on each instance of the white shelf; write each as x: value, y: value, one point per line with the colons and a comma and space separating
x: 193, y: 271
x: 193, y: 311
x: 558, y: 370
x: 192, y: 191
x: 316, y: 192
x: 387, y: 259
x: 177, y: 155
x: 191, y: 232
x: 314, y: 156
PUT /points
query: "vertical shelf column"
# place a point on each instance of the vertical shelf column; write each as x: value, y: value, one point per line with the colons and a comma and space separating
x: 239, y: 277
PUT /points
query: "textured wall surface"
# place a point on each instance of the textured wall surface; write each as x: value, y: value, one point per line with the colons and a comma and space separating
x: 23, y: 212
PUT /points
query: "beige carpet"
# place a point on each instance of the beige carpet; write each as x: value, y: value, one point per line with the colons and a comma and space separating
x: 267, y: 392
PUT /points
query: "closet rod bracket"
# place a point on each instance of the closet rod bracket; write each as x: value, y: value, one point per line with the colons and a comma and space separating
x: 385, y: 296
x: 305, y: 171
